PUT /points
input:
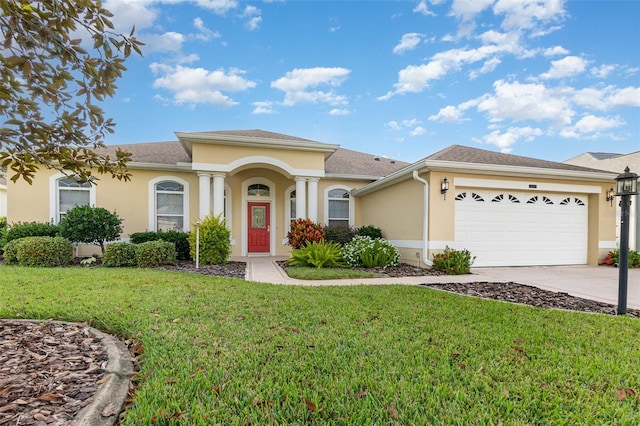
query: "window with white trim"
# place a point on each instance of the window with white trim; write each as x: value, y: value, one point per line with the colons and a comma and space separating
x: 339, y: 207
x: 69, y: 194
x: 169, y: 206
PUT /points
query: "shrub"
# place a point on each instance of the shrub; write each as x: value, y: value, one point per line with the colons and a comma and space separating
x: 44, y: 251
x: 3, y: 230
x: 370, y: 231
x: 155, y: 253
x: 303, y: 231
x: 320, y: 254
x: 453, y: 262
x: 11, y: 252
x: 179, y: 239
x: 29, y: 229
x: 90, y: 225
x: 215, y: 246
x: 339, y: 234
x: 613, y: 258
x: 371, y: 253
x: 119, y: 255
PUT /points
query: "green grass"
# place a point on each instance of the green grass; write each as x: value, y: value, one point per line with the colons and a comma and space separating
x: 307, y: 273
x: 226, y: 351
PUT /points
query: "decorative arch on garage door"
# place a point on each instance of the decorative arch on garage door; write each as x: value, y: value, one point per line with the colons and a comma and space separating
x: 511, y: 228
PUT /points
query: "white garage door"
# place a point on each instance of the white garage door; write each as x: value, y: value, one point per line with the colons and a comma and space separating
x: 517, y: 229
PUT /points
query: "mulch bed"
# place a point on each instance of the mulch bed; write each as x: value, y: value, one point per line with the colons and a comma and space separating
x: 402, y: 270
x: 48, y: 371
x: 533, y: 296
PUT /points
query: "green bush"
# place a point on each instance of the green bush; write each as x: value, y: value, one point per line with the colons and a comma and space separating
x: 178, y: 238
x: 371, y: 253
x: 3, y: 230
x: 90, y: 225
x: 118, y: 255
x: 453, y: 262
x: 215, y: 246
x: 614, y: 258
x: 11, y: 252
x: 303, y: 231
x: 155, y: 253
x: 44, y: 251
x: 29, y: 229
x: 339, y: 234
x: 370, y: 231
x: 320, y: 254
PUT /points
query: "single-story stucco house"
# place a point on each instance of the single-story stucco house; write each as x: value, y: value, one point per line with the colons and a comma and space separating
x: 506, y: 209
x: 616, y: 163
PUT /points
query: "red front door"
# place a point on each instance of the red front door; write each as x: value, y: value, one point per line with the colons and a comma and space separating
x: 259, y: 220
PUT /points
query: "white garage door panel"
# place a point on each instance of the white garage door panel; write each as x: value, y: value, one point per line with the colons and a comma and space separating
x: 517, y: 229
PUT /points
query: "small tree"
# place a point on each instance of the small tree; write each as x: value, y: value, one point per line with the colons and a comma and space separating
x: 90, y: 225
x: 214, y: 241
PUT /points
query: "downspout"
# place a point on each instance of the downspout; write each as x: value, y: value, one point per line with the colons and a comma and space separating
x: 425, y: 220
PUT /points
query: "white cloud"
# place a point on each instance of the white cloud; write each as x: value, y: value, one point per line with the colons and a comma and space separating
x: 603, y: 70
x: 529, y: 14
x: 219, y: 7
x: 505, y: 140
x: 409, y: 41
x: 555, y: 51
x: 393, y: 125
x: 565, y: 67
x: 339, y: 111
x: 423, y: 8
x: 466, y: 10
x: 629, y: 96
x: 488, y: 66
x: 167, y: 42
x: 517, y: 101
x: 297, y: 84
x: 591, y: 126
x: 448, y: 114
x: 204, y: 33
x: 193, y: 86
x: 263, y: 108
x: 418, y: 131
x: 253, y: 13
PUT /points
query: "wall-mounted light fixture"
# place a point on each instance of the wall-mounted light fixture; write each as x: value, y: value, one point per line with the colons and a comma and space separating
x: 610, y: 196
x: 444, y: 187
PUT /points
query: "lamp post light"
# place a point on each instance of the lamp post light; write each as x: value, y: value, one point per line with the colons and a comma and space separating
x: 198, y: 223
x: 626, y: 186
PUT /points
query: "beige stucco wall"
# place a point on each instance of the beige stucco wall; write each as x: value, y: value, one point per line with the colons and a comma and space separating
x: 221, y: 154
x: 3, y: 200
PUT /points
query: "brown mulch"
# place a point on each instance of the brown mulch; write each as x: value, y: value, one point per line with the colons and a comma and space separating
x: 50, y: 371
x: 529, y: 295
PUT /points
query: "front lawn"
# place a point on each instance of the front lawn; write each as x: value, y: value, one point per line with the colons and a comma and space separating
x: 225, y: 351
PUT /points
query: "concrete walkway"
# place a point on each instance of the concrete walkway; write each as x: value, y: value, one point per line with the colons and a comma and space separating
x: 590, y: 282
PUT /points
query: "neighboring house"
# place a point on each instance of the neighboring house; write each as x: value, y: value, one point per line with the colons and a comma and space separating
x: 506, y: 209
x: 616, y: 163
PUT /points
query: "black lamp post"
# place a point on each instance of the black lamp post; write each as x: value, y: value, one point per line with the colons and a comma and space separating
x: 626, y: 186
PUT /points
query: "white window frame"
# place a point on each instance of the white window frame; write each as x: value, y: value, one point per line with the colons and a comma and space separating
x: 186, y: 221
x: 54, y: 196
x: 351, y: 203
x: 287, y: 208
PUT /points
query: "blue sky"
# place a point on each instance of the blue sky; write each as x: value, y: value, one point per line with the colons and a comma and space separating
x: 403, y: 79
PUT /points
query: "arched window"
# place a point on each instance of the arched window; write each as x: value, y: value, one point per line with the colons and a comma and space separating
x: 258, y: 190
x: 169, y: 206
x: 72, y: 193
x: 339, y: 207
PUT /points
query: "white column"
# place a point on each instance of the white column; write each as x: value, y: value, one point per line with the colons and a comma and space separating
x: 218, y: 194
x: 313, y: 198
x: 204, y: 191
x: 301, y: 197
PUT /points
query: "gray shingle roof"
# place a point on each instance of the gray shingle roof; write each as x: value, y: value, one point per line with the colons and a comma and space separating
x: 254, y: 133
x: 153, y: 152
x: 347, y: 162
x: 465, y: 154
